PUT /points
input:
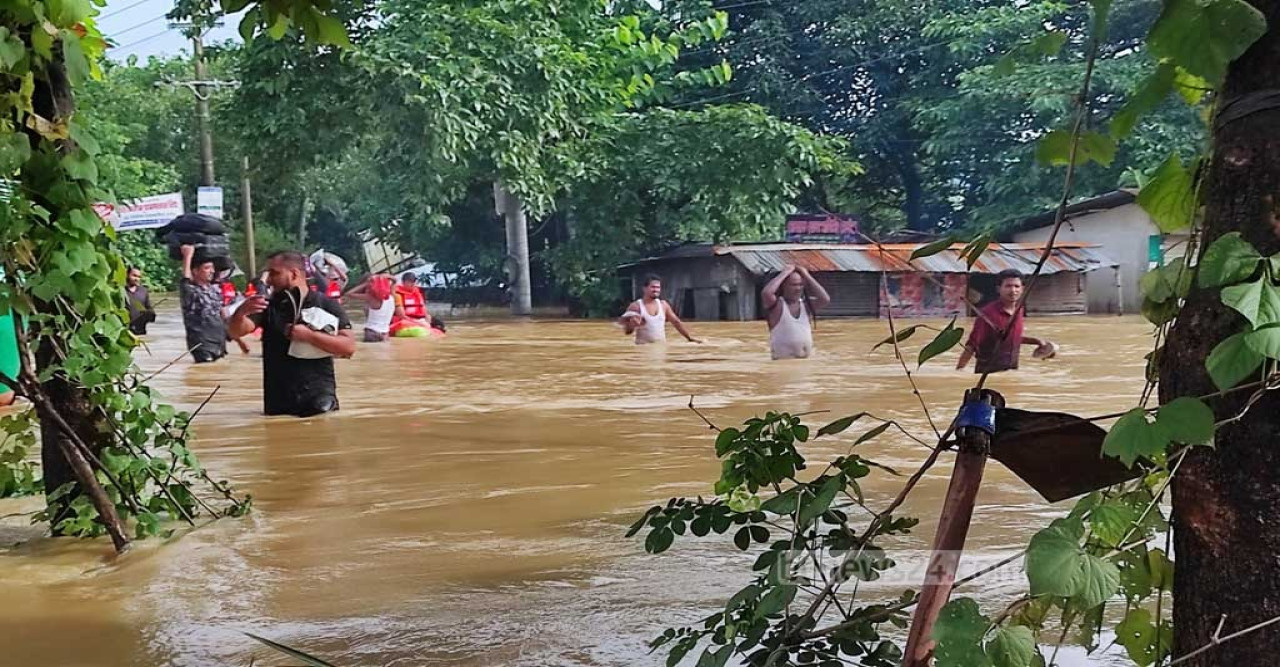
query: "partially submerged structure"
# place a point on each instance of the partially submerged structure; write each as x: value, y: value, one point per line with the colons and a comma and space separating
x: 723, y: 282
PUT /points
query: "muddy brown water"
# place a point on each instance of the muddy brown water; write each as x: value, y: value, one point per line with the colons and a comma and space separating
x: 467, y: 505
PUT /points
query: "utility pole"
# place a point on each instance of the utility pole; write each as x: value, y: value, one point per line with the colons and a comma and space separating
x: 201, y: 86
x: 246, y: 212
x: 202, y: 111
x: 508, y: 204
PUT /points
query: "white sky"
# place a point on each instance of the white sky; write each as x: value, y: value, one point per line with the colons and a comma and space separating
x: 140, y: 28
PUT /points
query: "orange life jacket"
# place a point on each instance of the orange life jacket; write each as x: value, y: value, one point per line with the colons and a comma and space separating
x: 415, y: 305
x: 251, y: 290
x: 228, y: 293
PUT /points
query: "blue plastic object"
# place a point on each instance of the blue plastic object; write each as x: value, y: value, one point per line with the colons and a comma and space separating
x: 977, y: 414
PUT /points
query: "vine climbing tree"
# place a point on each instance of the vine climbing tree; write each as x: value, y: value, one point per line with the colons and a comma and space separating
x: 113, y: 458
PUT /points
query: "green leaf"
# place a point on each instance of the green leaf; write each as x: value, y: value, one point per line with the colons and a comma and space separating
x: 11, y: 49
x: 659, y: 540
x: 775, y: 600
x: 1170, y: 197
x: 1191, y: 87
x: 1187, y: 420
x: 1133, y: 437
x: 717, y: 659
x: 785, y: 503
x: 15, y: 150
x: 80, y: 166
x: 725, y: 440
x: 279, y: 27
x: 1228, y: 260
x: 933, y: 248
x: 958, y: 633
x: 840, y: 425
x: 1149, y: 95
x: 1258, y: 301
x: 77, y: 63
x: 945, y: 340
x: 1137, y: 634
x: 1203, y: 37
x: 330, y: 30
x: 902, y: 335
x: 1054, y: 149
x: 1264, y: 341
x: 1231, y: 361
x: 1167, y: 282
x: 872, y: 433
x: 1100, y: 580
x: 1112, y: 520
x: 1053, y: 559
x: 973, y: 252
x: 1012, y: 646
x: 811, y: 509
x: 249, y: 23
x: 740, y: 598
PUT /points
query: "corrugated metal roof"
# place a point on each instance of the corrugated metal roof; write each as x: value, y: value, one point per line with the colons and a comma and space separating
x: 894, y: 258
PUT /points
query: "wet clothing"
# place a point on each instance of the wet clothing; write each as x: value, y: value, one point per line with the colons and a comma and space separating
x: 653, y: 328
x: 992, y: 353
x: 202, y: 317
x: 138, y: 303
x: 293, y: 386
x: 378, y: 320
x: 792, y: 336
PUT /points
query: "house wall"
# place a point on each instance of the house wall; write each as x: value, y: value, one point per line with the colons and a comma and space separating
x: 1124, y: 234
x: 924, y: 295
x: 702, y: 288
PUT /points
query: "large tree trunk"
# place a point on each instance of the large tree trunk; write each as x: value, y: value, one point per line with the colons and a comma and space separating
x: 1226, y: 501
x: 52, y: 99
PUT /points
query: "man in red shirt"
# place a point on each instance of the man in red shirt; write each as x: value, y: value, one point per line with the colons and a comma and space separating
x: 997, y: 352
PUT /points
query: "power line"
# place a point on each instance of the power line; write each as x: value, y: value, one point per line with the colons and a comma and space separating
x: 117, y: 33
x: 140, y: 41
x: 121, y: 10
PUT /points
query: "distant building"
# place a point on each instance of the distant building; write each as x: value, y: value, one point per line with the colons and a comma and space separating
x: 723, y: 282
x: 1119, y: 228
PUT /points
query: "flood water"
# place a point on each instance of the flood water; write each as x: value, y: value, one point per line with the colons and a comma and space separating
x: 467, y: 505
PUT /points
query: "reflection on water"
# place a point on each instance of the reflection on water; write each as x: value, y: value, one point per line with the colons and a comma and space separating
x: 467, y: 504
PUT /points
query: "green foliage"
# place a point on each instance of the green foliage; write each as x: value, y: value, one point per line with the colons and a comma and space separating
x: 1233, y: 360
x: 1228, y: 260
x: 808, y: 522
x: 1184, y: 420
x: 1169, y: 198
x: 946, y: 339
x: 19, y: 476
x: 1204, y: 37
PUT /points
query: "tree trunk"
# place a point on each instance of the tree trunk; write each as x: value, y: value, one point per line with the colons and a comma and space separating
x: 904, y: 161
x: 52, y: 99
x: 1226, y: 501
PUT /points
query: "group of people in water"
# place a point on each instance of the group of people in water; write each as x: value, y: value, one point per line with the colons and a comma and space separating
x: 792, y: 299
x: 295, y: 307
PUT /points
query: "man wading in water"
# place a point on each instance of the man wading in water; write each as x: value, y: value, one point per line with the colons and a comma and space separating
x: 202, y: 309
x: 647, y: 317
x: 995, y: 353
x: 297, y: 359
x: 788, y: 301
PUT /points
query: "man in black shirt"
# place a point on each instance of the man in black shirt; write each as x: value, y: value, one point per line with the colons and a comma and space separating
x: 293, y: 385
x: 202, y: 309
